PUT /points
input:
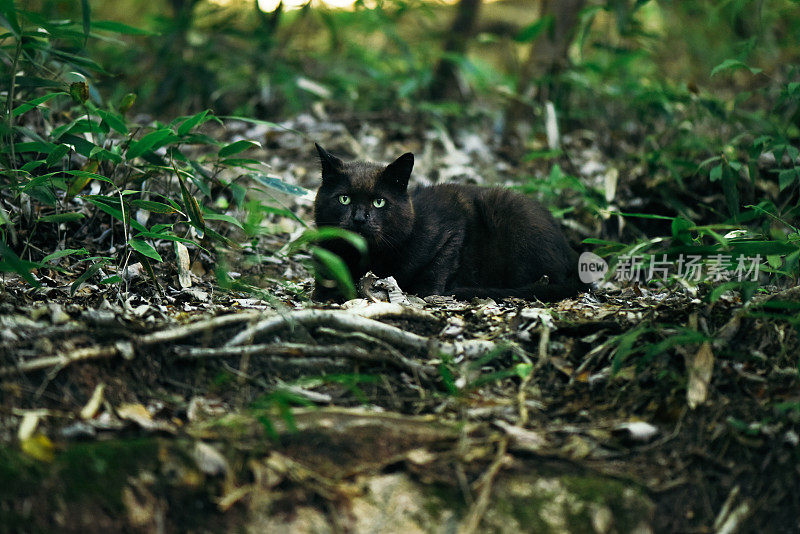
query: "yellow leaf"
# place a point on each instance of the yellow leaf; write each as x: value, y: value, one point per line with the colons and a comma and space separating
x: 39, y: 447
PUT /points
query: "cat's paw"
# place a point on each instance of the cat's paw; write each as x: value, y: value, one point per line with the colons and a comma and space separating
x: 323, y: 293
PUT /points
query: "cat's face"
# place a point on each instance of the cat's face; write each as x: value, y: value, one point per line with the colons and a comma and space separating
x: 367, y: 198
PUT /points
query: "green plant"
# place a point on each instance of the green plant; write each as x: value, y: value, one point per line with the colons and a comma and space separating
x: 79, y: 162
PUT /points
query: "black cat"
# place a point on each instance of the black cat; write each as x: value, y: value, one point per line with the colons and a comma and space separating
x: 448, y: 239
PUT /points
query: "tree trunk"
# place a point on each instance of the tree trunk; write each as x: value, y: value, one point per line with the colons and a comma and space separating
x: 547, y: 58
x: 445, y: 83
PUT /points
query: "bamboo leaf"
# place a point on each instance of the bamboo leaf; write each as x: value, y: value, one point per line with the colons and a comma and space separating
x: 91, y: 271
x: 733, y: 64
x: 145, y: 248
x: 333, y: 267
x: 113, y: 120
x: 119, y: 27
x: 12, y: 263
x: 87, y: 20
x: 65, y: 252
x: 137, y: 148
x: 153, y: 207
x: 330, y: 232
x: 36, y: 102
x: 62, y: 217
x: 223, y: 217
x: 280, y: 185
x: 193, y: 121
x: 191, y: 206
x: 236, y: 147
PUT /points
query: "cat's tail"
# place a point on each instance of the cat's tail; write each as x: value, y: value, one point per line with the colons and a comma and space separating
x: 546, y: 292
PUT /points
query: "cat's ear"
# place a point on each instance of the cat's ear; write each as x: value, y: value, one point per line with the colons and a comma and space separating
x: 331, y: 165
x: 398, y: 172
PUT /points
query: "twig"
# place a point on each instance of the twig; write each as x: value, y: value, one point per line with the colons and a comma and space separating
x: 347, y: 321
x: 60, y: 360
x: 425, y: 370
x: 394, y: 310
x: 174, y: 334
x: 486, y: 482
x: 300, y: 350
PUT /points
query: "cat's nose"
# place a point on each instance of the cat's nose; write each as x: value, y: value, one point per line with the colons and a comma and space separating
x: 359, y: 218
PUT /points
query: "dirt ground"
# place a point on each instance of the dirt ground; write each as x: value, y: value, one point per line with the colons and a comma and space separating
x: 198, y: 409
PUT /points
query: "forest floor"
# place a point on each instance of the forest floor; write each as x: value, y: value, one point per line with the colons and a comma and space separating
x: 197, y: 409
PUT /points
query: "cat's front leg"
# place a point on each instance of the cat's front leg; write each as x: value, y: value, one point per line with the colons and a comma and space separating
x: 443, y: 268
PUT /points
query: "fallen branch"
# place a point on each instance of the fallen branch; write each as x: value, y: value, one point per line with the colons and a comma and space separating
x: 60, y: 360
x: 300, y: 350
x: 395, y: 356
x: 347, y: 321
x: 375, y: 310
x: 485, y: 483
x: 184, y: 331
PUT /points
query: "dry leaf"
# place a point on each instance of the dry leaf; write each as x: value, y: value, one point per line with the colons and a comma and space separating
x: 209, y: 460
x: 182, y: 253
x: 700, y: 368
x: 93, y: 406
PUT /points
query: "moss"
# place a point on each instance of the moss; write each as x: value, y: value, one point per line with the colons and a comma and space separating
x: 99, y: 470
x: 527, y: 512
x: 628, y: 506
x: 20, y: 478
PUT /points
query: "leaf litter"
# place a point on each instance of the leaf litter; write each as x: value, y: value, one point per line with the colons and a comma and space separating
x: 612, y: 411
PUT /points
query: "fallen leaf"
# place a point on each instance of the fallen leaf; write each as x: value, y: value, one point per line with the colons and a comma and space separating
x: 700, y: 367
x: 39, y: 447
x: 209, y: 460
x: 93, y: 406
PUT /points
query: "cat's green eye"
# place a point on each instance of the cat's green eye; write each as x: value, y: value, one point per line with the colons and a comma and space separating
x: 379, y: 202
x: 344, y: 199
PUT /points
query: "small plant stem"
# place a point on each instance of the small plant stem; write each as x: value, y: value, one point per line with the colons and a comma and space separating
x: 10, y: 102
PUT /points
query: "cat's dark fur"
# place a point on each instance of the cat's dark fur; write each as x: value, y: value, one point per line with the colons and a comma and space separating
x: 447, y: 239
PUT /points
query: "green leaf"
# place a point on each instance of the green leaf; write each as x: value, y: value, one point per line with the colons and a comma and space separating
x: 153, y: 207
x: 259, y: 121
x: 191, y: 206
x: 56, y: 155
x: 786, y: 178
x: 532, y: 31
x: 241, y: 162
x: 144, y: 248
x: 330, y: 232
x: 169, y: 237
x: 91, y: 271
x: 87, y: 20
x: 109, y: 206
x: 113, y: 120
x: 137, y: 148
x: 236, y: 147
x: 36, y: 146
x: 12, y: 263
x: 30, y: 104
x: 61, y: 217
x: 118, y: 27
x: 333, y: 267
x: 222, y: 217
x: 716, y: 173
x: 193, y: 121
x: 90, y: 175
x: 280, y: 185
x: 65, y: 252
x: 9, y: 17
x: 733, y: 64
